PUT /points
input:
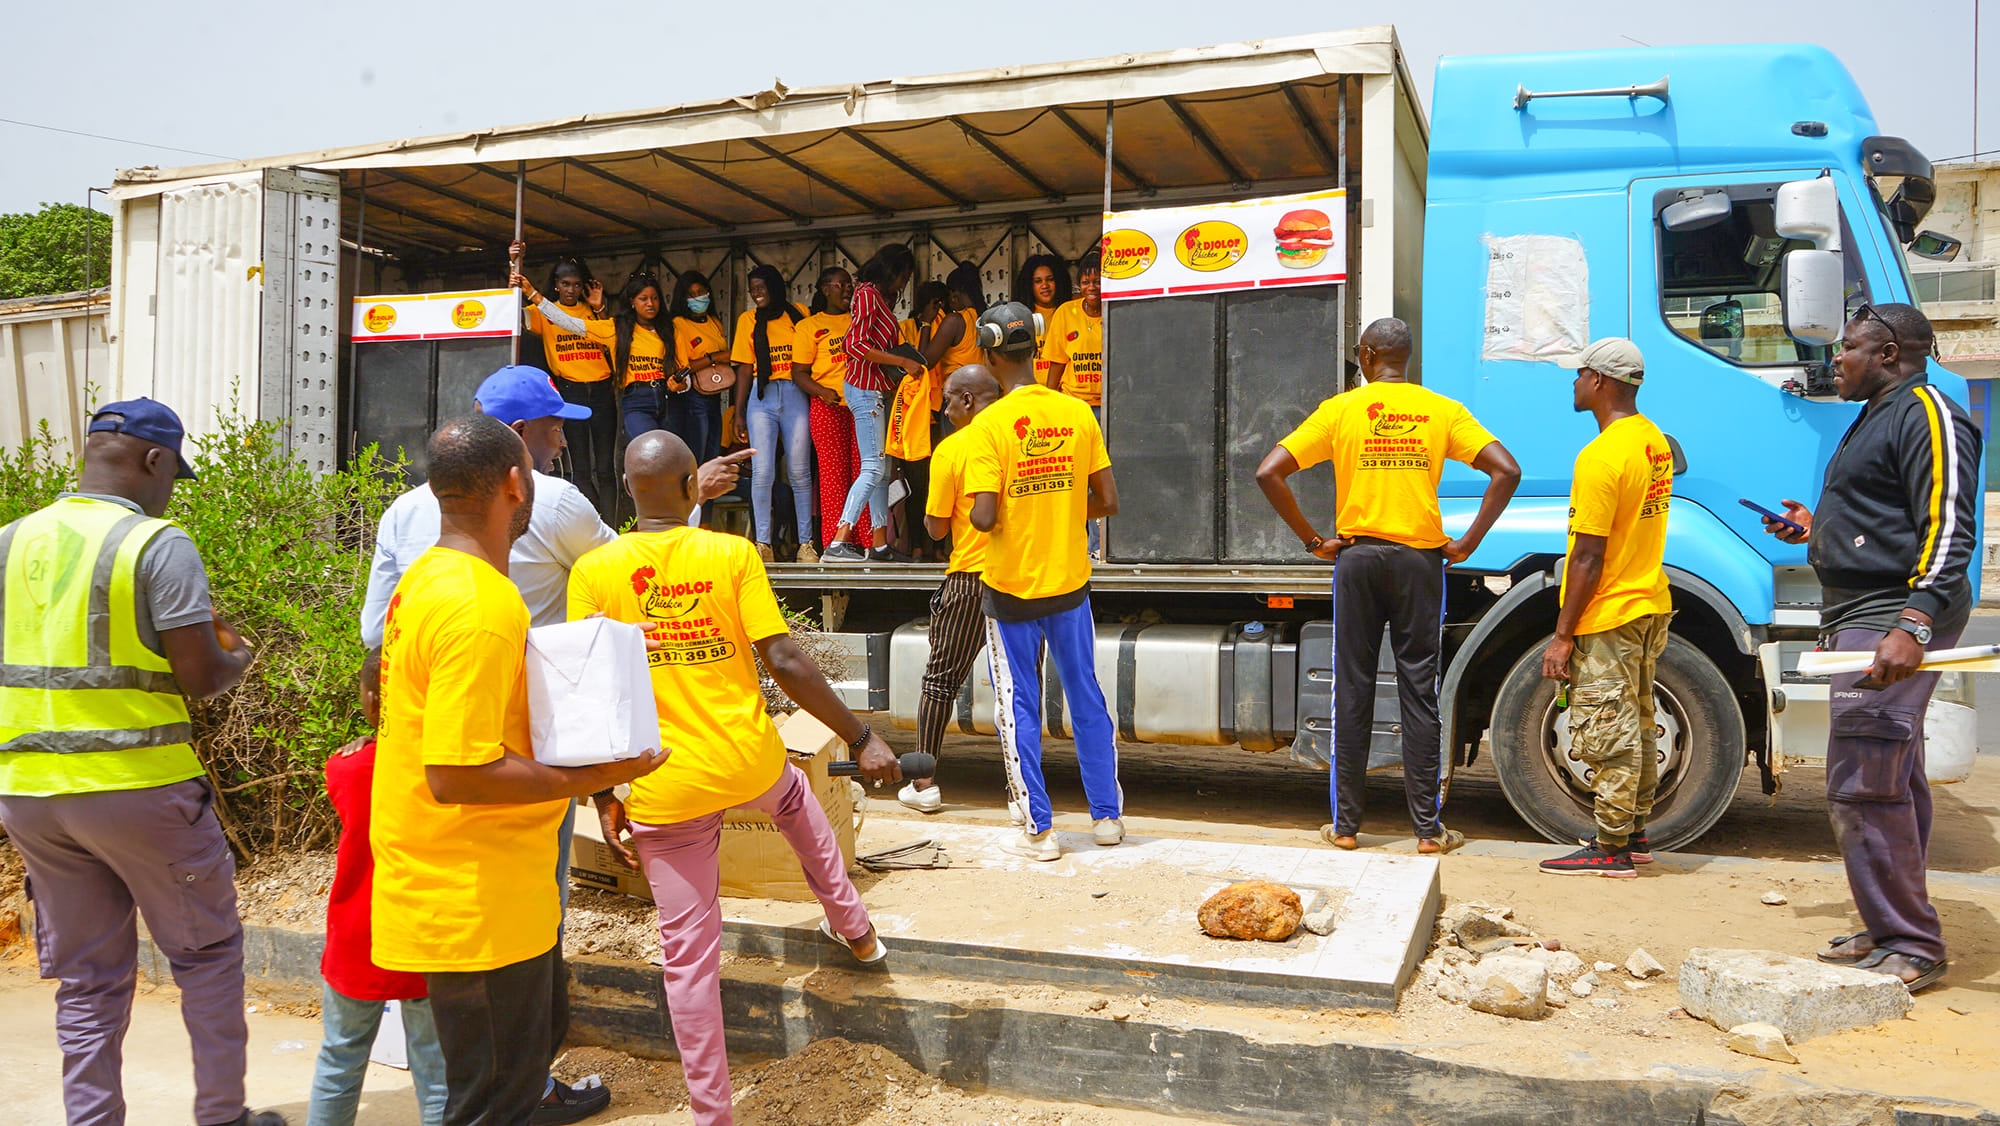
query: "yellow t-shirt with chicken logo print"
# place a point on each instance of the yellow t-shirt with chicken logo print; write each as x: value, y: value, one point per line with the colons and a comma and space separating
x: 966, y: 351
x: 820, y: 343
x: 1388, y: 443
x: 579, y: 359
x: 1036, y: 448
x: 699, y: 338
x: 1077, y: 339
x: 949, y: 499
x: 648, y: 358
x: 779, y: 331
x: 1621, y: 489
x: 707, y: 596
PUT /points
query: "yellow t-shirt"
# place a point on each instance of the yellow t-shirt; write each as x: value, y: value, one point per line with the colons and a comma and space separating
x: 780, y: 331
x: 819, y: 342
x: 579, y: 359
x: 949, y: 498
x: 1388, y: 443
x: 966, y: 351
x: 1048, y: 315
x: 1077, y: 339
x: 909, y: 432
x: 457, y: 887
x: 698, y: 338
x: 648, y: 359
x: 707, y: 597
x: 1622, y: 486
x: 1036, y: 448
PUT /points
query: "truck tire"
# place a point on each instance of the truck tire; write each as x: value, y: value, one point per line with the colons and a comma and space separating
x: 1702, y: 746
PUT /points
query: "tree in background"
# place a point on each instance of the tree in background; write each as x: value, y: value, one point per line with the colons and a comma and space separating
x: 43, y: 251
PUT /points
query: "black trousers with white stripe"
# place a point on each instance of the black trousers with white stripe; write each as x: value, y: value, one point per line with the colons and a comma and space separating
x: 958, y: 629
x: 1377, y: 583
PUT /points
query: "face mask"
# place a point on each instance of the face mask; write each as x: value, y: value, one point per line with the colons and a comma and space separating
x: 698, y: 305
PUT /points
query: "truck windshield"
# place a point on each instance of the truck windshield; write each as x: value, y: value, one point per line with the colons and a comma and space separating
x: 1720, y: 285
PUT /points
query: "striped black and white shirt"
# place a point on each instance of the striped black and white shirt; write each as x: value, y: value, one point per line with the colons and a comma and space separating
x: 1897, y: 522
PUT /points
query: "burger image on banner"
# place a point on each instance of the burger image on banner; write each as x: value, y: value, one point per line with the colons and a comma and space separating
x: 1304, y: 236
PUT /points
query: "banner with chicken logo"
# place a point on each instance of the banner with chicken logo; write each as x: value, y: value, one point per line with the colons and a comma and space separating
x: 1245, y: 244
x: 437, y: 316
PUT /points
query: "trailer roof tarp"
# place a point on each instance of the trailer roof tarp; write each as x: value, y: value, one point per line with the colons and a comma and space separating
x: 1215, y: 118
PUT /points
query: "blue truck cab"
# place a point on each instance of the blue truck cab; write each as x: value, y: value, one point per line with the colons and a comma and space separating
x: 1642, y: 193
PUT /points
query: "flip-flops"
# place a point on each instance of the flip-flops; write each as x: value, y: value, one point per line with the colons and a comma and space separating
x: 1847, y: 959
x: 1929, y: 971
x: 881, y: 948
x: 1327, y: 834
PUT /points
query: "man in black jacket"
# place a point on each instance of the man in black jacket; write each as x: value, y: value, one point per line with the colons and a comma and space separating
x: 1895, y: 531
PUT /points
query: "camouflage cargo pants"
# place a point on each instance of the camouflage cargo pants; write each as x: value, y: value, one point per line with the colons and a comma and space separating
x: 1611, y: 721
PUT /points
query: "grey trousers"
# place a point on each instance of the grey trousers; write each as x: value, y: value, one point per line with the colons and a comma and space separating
x: 92, y: 860
x: 1880, y: 801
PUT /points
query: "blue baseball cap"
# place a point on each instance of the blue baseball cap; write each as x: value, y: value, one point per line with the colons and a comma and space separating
x: 519, y: 393
x: 146, y: 420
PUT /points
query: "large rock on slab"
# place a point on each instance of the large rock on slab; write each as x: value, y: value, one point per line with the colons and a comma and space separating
x: 1509, y: 986
x: 1799, y: 997
x: 1256, y: 909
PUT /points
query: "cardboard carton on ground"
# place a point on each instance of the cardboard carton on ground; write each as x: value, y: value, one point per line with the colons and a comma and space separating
x: 756, y: 862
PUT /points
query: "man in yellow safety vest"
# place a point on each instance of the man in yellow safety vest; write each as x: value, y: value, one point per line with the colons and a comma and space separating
x: 107, y: 629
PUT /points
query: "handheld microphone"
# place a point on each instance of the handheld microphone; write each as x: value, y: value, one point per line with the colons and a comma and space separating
x: 916, y: 764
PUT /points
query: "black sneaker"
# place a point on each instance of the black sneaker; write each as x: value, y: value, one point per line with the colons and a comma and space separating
x: 1593, y: 860
x: 565, y: 1104
x: 258, y: 1118
x: 1640, y: 847
x: 842, y: 552
x: 888, y: 555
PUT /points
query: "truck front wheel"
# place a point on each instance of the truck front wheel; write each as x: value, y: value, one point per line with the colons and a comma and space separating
x: 1701, y: 750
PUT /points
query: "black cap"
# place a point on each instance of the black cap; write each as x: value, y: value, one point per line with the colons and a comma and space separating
x: 144, y: 419
x: 1007, y: 327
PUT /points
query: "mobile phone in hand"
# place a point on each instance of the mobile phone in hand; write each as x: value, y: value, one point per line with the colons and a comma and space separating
x: 1770, y: 515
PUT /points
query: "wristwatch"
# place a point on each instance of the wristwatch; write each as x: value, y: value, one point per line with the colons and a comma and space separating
x: 1915, y: 629
x: 1315, y: 543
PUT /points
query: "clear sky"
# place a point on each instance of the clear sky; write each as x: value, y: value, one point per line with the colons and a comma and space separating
x: 263, y: 79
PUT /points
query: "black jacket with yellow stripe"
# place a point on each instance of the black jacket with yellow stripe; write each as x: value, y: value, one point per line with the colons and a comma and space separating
x: 1897, y: 522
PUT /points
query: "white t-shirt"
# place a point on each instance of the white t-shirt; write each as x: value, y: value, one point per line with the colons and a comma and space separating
x: 561, y: 529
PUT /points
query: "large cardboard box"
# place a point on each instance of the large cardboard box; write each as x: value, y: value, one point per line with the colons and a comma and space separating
x: 756, y: 862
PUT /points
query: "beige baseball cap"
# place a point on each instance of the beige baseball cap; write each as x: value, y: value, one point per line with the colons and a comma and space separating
x: 1614, y: 356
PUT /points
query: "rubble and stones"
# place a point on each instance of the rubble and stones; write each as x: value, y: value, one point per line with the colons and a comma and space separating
x: 1509, y: 986
x: 1761, y: 1040
x: 1800, y: 997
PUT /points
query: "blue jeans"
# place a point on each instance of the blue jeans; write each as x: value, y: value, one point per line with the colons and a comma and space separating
x: 697, y: 419
x: 1091, y: 527
x: 871, y: 485
x: 784, y: 410
x: 645, y: 407
x: 349, y: 1034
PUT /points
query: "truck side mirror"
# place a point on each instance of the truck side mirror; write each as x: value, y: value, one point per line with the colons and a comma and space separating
x: 1814, y: 304
x: 1936, y: 247
x: 1810, y: 210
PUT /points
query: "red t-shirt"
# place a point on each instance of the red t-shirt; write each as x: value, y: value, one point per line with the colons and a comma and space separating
x: 345, y: 964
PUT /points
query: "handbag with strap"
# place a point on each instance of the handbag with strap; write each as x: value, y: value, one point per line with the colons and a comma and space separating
x: 714, y: 379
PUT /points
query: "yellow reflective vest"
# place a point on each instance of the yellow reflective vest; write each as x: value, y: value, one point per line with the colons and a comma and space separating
x: 85, y: 706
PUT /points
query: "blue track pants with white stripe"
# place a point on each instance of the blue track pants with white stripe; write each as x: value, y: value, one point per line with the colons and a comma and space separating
x: 1013, y: 648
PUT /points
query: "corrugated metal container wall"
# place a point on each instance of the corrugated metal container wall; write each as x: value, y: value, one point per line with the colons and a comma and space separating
x: 49, y: 347
x: 205, y: 352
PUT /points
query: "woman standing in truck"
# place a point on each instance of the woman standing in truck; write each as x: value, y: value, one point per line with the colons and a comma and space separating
x: 868, y: 383
x: 639, y: 355
x: 1043, y: 286
x: 772, y: 406
x: 575, y: 337
x: 700, y: 341
x: 819, y: 363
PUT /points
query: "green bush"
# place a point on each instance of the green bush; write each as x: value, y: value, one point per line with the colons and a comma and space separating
x: 287, y: 555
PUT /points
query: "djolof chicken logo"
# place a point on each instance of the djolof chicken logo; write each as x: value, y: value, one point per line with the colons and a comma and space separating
x: 1021, y: 429
x: 1211, y: 245
x: 468, y: 314
x: 1385, y: 423
x: 1128, y: 253
x: 379, y: 318
x: 1047, y: 440
x: 667, y: 602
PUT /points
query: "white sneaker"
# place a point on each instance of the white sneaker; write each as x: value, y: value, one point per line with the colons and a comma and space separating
x: 1108, y: 831
x: 1035, y: 846
x: 923, y: 801
x: 1017, y: 814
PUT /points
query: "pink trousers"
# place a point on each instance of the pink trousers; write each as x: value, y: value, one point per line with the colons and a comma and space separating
x: 679, y: 861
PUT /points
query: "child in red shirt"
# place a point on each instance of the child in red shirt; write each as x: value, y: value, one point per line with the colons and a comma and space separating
x: 356, y: 988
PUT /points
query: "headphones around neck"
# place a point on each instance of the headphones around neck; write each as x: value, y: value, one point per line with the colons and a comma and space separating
x: 993, y: 336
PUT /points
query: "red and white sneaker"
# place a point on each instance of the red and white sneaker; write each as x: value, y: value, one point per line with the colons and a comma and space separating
x: 1592, y: 860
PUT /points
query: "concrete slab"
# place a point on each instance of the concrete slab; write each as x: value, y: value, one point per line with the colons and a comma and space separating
x: 1047, y: 926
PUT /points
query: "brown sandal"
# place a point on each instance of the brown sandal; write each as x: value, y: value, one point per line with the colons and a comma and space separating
x: 1836, y: 955
x: 1450, y: 842
x: 1346, y: 844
